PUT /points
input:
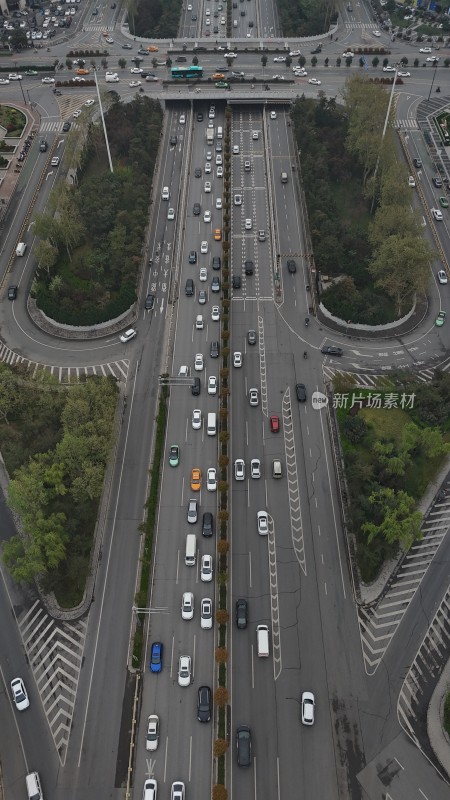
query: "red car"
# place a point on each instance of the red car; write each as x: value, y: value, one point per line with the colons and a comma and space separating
x: 274, y: 423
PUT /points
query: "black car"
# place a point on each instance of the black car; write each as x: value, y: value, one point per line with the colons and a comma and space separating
x: 204, y: 704
x: 66, y: 127
x: 149, y: 302
x: 193, y: 257
x: 199, y: 115
x: 194, y: 18
x: 417, y: 163
x: 291, y: 265
x: 197, y: 174
x: 208, y: 524
x: 437, y: 182
x: 331, y: 350
x: 214, y: 349
x: 243, y: 746
x: 173, y: 140
x: 180, y: 59
x: 236, y: 281
x: 12, y: 292
x: 216, y: 262
x: 251, y: 337
x: 241, y: 613
x: 317, y: 49
x: 197, y: 209
x: 300, y: 391
x: 195, y: 388
x: 248, y: 266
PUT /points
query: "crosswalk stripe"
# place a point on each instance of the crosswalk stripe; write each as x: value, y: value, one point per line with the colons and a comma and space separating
x: 405, y: 123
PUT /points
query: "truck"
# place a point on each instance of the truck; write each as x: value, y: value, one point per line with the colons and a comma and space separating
x: 210, y: 136
x: 112, y: 77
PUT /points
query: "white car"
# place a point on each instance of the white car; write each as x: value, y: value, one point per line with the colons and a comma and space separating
x: 4, y: 81
x: 14, y: 76
x: 442, y: 276
x: 376, y: 33
x: 55, y: 161
x: 129, y: 334
x: 411, y: 181
x: 76, y: 114
x: 255, y: 135
x: 235, y: 149
x: 206, y: 569
x: 248, y: 224
x: 211, y: 480
x: 219, y: 203
x: 219, y: 159
x: 199, y: 322
x: 308, y: 704
x: 239, y: 469
x: 215, y: 314
x: 208, y: 155
x: 89, y: 102
x: 150, y: 789
x: 134, y: 84
x: 212, y: 384
x: 198, y: 363
x: 48, y: 80
x: 136, y: 70
x: 255, y: 468
x: 184, y: 671
x: 196, y: 419
x: 177, y: 791
x: 294, y: 53
x: 182, y: 119
x: 263, y: 523
x: 219, y: 172
x: 388, y: 69
x: 432, y: 58
x: 348, y: 54
x: 171, y: 213
x: 107, y: 38
x: 189, y: 8
x: 230, y: 55
x: 206, y: 614
x: 253, y: 397
x: 237, y: 359
x: 273, y: 115
x: 207, y: 216
x: 279, y: 59
x: 203, y: 275
x: 187, y: 606
x: 204, y: 248
x: 402, y: 74
x: 207, y: 186
x: 207, y: 167
x: 300, y: 73
x: 437, y: 214
x: 315, y: 81
x: 425, y: 50
x: 151, y: 741
x: 237, y: 199
x: 19, y: 694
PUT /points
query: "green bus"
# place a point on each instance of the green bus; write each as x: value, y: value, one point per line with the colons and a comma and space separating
x: 187, y: 72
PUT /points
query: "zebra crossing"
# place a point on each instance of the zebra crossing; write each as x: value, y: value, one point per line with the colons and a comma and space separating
x: 405, y: 123
x: 370, y: 380
x: 371, y: 26
x: 98, y: 28
x: 55, y: 653
x: 67, y: 375
x: 378, y: 624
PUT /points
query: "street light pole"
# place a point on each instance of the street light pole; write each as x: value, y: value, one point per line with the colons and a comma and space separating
x: 434, y: 77
x: 383, y: 135
x: 23, y: 94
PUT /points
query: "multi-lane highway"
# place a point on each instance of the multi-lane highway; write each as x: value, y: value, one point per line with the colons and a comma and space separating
x: 295, y: 579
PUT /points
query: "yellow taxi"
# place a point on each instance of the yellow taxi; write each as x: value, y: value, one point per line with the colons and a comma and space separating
x: 82, y: 72
x: 218, y: 234
x: 196, y: 479
x: 152, y: 49
x: 218, y: 76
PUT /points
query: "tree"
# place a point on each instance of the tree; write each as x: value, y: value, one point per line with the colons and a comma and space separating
x: 400, y: 267
x: 314, y: 61
x: 396, y: 518
x: 264, y: 60
x: 122, y: 63
x: 219, y: 792
x: 375, y: 62
x: 221, y: 696
x: 46, y: 254
x: 288, y: 61
x: 220, y: 747
x: 9, y: 393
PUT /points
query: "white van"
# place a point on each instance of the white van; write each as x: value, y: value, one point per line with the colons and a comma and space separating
x: 20, y: 249
x: 277, y: 471
x: 211, y: 427
x: 165, y: 194
x: 235, y: 23
x: 262, y: 639
x: 34, y: 789
x: 220, y: 132
x: 191, y: 550
x: 199, y: 322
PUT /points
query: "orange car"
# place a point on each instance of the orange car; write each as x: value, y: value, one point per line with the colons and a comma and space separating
x: 152, y: 49
x: 218, y: 76
x: 82, y: 72
x: 196, y: 479
x: 218, y: 234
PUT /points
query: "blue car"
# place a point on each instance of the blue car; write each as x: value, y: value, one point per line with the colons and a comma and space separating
x: 156, y: 657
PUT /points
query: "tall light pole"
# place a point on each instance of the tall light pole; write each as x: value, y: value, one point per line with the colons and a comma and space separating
x: 383, y: 135
x: 103, y: 122
x: 434, y: 76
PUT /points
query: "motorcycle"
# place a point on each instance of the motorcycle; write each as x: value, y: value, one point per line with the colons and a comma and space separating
x: 438, y: 88
x: 305, y: 354
x: 306, y: 322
